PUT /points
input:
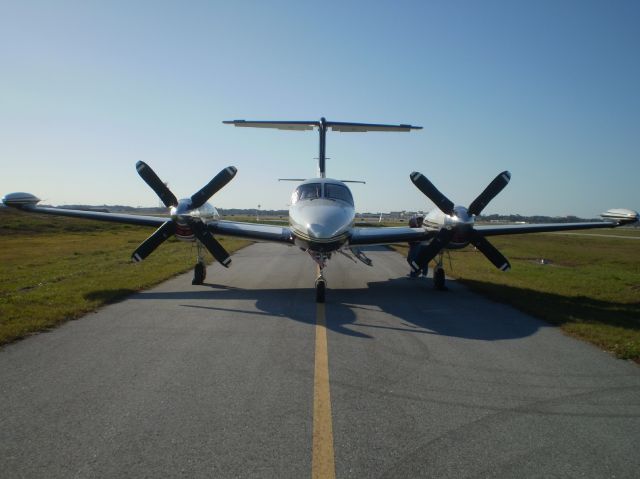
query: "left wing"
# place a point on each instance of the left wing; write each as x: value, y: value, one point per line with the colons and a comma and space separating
x: 611, y: 219
x: 491, y: 230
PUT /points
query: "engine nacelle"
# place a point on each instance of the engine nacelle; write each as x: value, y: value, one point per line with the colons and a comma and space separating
x: 621, y: 215
x: 20, y: 199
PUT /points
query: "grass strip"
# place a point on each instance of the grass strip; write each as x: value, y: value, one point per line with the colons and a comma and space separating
x: 58, y: 269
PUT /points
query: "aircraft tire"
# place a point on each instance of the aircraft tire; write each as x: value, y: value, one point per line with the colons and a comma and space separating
x: 199, y: 273
x: 320, y: 290
x: 439, y: 279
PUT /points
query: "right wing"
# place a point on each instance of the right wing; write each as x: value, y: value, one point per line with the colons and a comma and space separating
x: 97, y: 215
x: 253, y: 231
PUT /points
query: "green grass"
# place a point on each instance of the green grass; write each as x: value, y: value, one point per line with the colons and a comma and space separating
x: 590, y: 287
x: 55, y: 269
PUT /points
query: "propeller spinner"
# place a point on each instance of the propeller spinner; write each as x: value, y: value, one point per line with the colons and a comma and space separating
x: 462, y: 228
x: 181, y: 213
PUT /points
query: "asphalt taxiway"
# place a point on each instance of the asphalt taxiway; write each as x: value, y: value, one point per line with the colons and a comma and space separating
x: 227, y: 380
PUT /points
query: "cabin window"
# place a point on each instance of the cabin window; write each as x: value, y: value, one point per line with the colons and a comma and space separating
x: 309, y: 191
x: 338, y: 192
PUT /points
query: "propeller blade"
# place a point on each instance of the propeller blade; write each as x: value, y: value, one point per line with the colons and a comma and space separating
x: 211, y: 188
x: 428, y: 252
x: 152, y: 242
x: 212, y: 244
x: 496, y: 257
x: 430, y: 191
x: 156, y: 184
x: 489, y: 193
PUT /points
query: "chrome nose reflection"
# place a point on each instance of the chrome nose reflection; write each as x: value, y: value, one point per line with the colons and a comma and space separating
x: 320, y: 220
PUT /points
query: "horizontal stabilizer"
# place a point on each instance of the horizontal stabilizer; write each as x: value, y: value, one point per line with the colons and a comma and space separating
x: 279, y: 125
x: 341, y: 126
x: 364, y: 127
x: 323, y: 125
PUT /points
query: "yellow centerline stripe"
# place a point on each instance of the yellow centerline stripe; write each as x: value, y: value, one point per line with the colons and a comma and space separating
x: 322, y: 463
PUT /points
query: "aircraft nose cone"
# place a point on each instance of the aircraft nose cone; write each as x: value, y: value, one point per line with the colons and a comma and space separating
x: 329, y: 222
x: 321, y: 220
x: 320, y: 231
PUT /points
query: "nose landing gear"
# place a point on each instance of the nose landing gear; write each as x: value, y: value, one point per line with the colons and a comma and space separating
x: 200, y: 270
x: 321, y: 285
x: 321, y: 282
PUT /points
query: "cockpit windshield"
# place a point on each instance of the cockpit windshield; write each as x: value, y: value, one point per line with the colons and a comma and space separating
x: 308, y: 191
x: 311, y: 191
x: 338, y: 192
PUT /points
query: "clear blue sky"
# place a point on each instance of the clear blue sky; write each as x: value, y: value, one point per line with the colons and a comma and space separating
x: 549, y: 90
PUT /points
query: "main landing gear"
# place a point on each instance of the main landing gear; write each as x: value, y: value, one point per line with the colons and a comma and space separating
x: 200, y: 270
x: 438, y: 275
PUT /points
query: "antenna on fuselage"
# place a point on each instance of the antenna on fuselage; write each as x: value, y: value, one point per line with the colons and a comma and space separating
x: 322, y: 126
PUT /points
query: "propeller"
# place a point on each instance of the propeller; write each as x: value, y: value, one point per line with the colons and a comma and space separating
x: 462, y: 225
x: 212, y: 244
x: 180, y: 213
x: 443, y: 203
x: 156, y: 184
x: 489, y: 193
x: 152, y: 242
x: 216, y: 184
x: 428, y: 252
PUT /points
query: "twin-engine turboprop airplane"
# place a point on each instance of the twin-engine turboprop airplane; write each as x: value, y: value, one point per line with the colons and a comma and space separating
x: 321, y: 216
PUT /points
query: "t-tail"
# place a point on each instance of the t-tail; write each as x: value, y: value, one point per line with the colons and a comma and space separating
x: 322, y: 127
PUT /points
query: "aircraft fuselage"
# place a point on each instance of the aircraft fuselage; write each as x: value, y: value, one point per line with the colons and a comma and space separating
x: 321, y: 215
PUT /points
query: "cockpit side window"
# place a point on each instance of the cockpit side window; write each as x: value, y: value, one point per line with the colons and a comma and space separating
x: 338, y: 192
x: 307, y: 192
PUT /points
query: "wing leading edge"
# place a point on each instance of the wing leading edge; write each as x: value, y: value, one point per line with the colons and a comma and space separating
x: 253, y: 231
x: 97, y: 215
x: 361, y: 236
x: 491, y: 230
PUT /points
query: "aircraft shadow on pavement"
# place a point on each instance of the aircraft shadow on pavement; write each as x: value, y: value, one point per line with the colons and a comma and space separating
x: 395, y: 304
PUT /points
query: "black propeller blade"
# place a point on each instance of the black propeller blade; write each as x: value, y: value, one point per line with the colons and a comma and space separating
x: 212, y: 244
x: 499, y: 261
x: 152, y: 242
x: 211, y: 188
x: 197, y: 200
x: 442, y: 238
x: 428, y: 252
x: 156, y: 184
x: 430, y: 191
x: 489, y: 193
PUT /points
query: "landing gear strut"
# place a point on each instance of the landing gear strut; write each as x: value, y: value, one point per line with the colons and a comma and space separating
x: 321, y: 282
x: 321, y: 285
x: 438, y: 275
x: 200, y: 270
